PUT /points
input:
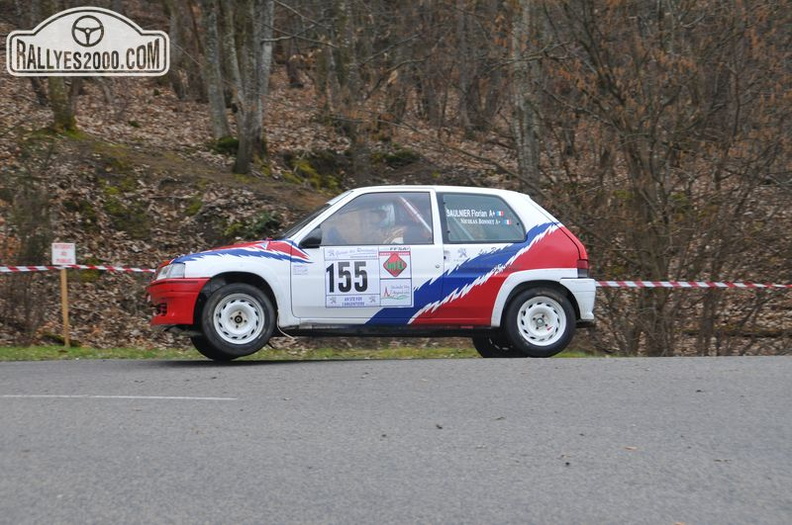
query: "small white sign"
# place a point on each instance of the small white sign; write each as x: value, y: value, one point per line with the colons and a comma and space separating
x: 64, y: 253
x: 87, y: 41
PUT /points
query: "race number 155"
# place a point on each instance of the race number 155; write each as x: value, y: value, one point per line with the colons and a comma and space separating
x: 344, y: 275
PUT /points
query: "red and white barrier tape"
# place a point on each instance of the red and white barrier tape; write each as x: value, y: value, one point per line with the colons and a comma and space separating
x: 686, y: 284
x: 15, y: 269
x: 601, y: 284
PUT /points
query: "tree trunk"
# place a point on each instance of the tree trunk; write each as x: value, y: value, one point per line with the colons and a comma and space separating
x: 255, y: 56
x: 63, y: 117
x: 213, y: 75
x: 185, y: 72
x: 61, y: 98
x: 524, y: 122
x: 233, y: 86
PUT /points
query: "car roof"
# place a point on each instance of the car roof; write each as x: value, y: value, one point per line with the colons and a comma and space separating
x: 437, y: 188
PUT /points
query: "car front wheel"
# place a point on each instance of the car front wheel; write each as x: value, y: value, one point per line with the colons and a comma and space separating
x: 540, y: 322
x: 237, y: 320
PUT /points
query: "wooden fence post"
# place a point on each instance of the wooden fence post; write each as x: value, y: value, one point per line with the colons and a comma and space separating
x: 65, y: 307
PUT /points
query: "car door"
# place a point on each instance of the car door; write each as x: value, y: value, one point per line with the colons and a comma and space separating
x: 375, y: 251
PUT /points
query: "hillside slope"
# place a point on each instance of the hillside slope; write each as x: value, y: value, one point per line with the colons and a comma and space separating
x: 141, y: 182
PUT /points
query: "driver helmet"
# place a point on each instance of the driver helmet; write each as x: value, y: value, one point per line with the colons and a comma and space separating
x: 386, y: 216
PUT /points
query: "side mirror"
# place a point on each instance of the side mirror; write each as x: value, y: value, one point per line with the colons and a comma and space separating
x: 313, y: 239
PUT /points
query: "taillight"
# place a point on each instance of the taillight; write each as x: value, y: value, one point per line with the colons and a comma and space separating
x: 583, y: 268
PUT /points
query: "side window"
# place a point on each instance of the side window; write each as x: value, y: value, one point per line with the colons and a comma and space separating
x: 479, y: 218
x: 381, y: 218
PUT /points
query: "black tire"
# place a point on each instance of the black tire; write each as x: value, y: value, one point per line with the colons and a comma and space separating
x: 237, y: 320
x: 202, y: 345
x: 539, y: 322
x: 494, y: 346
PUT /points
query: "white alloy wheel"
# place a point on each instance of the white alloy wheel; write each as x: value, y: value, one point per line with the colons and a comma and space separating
x: 541, y: 321
x: 238, y: 319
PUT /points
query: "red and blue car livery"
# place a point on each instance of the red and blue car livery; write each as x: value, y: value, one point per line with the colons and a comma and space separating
x: 390, y: 260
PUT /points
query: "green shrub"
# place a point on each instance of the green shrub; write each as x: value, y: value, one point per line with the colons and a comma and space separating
x: 226, y: 146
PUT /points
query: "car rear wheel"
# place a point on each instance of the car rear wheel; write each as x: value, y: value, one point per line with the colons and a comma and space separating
x: 237, y: 320
x: 540, y: 322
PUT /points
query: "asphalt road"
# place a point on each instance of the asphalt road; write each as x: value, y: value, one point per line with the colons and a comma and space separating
x: 557, y: 441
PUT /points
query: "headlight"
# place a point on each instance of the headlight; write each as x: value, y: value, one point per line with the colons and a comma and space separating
x: 170, y: 271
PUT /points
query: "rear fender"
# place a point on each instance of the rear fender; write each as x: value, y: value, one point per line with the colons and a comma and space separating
x: 519, y: 281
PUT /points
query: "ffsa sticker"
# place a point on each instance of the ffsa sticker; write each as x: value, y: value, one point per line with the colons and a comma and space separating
x: 368, y: 277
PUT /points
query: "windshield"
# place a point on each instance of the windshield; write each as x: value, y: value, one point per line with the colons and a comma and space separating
x: 291, y: 232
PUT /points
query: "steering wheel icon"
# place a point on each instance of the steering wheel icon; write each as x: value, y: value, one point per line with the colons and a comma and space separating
x: 87, y: 31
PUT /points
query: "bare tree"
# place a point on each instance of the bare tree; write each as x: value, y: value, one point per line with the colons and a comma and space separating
x: 185, y: 51
x: 62, y: 100
x: 254, y: 24
x: 676, y: 138
x: 524, y: 73
x: 212, y: 70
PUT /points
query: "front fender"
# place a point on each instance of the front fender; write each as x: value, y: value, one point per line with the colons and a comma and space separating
x: 269, y: 273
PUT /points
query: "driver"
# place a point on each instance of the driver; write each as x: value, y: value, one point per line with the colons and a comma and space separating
x: 385, y: 227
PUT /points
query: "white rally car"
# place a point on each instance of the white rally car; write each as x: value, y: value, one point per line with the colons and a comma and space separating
x: 390, y: 260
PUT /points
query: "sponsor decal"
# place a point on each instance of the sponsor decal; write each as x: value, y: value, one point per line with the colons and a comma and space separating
x: 87, y: 41
x: 368, y: 277
x: 396, y: 292
x: 479, y: 217
x: 394, y: 265
x: 351, y: 277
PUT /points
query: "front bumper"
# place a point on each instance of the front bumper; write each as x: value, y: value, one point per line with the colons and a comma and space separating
x: 174, y: 300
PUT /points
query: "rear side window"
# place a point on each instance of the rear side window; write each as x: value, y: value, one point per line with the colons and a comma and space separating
x: 472, y: 218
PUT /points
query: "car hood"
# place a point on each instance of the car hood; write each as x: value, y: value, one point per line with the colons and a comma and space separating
x: 284, y: 249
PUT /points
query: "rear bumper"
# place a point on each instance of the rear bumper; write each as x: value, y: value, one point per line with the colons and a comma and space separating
x: 174, y: 300
x: 584, y: 291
